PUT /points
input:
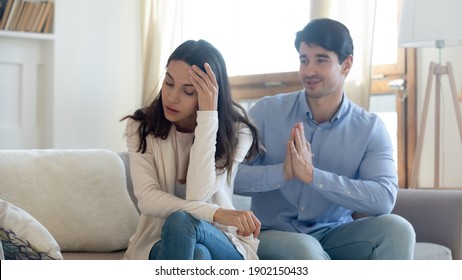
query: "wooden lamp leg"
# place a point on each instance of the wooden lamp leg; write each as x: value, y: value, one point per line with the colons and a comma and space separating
x: 423, y: 121
x: 452, y: 82
x: 436, y: 70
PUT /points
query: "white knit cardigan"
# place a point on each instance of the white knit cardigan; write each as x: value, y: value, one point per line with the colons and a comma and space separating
x: 154, y: 178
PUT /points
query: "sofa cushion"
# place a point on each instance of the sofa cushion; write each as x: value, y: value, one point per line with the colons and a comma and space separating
x: 23, y: 237
x: 431, y: 251
x: 80, y: 196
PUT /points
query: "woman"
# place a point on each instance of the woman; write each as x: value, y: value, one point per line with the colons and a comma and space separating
x: 184, y: 150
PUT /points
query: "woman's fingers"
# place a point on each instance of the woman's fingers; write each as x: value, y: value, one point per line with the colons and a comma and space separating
x: 201, y: 79
x: 245, y: 221
x: 211, y: 75
x: 257, y: 224
x: 206, y: 86
x: 248, y: 223
x: 253, y: 223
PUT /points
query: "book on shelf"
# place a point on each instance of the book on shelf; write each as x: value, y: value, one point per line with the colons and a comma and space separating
x: 17, y: 15
x: 33, y: 16
x: 26, y: 15
x: 2, y: 9
x: 49, y: 19
x: 11, y: 14
x: 44, y: 12
x: 6, y: 8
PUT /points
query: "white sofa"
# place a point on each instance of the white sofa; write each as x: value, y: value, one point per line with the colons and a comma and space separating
x: 84, y: 200
x: 79, y: 196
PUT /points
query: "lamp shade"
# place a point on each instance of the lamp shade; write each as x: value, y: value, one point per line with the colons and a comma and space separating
x: 425, y: 22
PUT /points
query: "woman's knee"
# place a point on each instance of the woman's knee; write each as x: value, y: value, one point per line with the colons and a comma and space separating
x: 178, y: 221
x: 201, y: 252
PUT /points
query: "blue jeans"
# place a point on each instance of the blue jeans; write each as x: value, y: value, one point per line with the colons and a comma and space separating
x: 187, y: 238
x: 386, y: 237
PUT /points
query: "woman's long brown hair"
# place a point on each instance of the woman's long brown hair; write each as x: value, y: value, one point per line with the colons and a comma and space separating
x: 152, y: 119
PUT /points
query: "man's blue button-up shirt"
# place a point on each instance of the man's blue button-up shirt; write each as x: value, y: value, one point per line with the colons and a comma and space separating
x: 353, y: 160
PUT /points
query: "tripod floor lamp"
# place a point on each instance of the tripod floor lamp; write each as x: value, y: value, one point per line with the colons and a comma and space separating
x: 430, y: 23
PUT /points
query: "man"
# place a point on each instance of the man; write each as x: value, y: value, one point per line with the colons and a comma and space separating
x: 325, y: 159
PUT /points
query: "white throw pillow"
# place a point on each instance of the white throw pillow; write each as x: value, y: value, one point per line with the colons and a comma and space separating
x: 23, y: 237
x: 80, y: 196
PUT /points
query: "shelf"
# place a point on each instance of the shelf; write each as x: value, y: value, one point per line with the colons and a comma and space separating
x: 27, y: 35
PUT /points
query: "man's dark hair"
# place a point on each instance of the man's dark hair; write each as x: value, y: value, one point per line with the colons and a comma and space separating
x: 327, y: 34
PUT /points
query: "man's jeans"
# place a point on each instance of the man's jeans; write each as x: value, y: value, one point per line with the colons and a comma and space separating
x: 186, y: 238
x: 386, y: 237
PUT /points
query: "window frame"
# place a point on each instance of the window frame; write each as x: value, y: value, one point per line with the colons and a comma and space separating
x: 260, y: 85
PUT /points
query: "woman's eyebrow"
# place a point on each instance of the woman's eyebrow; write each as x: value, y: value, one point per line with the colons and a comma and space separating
x: 171, y: 77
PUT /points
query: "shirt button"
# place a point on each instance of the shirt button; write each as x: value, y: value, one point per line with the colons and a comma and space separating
x: 321, y: 186
x: 278, y: 186
x: 302, y: 208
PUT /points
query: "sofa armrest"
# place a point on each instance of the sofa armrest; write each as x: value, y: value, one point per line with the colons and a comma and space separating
x: 436, y: 216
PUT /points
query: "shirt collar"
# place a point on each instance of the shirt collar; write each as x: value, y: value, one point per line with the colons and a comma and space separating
x: 340, y: 112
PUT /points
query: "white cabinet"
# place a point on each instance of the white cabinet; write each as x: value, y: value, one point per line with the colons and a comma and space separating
x: 25, y: 73
x: 69, y: 89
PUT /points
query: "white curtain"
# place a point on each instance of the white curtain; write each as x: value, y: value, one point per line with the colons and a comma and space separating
x: 359, y: 17
x: 161, y: 34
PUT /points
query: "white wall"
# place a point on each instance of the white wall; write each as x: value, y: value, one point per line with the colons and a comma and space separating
x: 97, y: 72
x: 451, y: 151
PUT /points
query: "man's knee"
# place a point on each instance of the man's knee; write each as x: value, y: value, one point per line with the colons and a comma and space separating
x: 398, y: 226
x: 400, y: 238
x: 282, y: 245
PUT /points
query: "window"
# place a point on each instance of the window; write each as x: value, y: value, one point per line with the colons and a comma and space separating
x: 385, y: 63
x: 393, y: 86
x: 254, y: 37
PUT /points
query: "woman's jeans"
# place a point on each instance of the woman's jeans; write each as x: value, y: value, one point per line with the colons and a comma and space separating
x: 187, y: 238
x: 386, y: 237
